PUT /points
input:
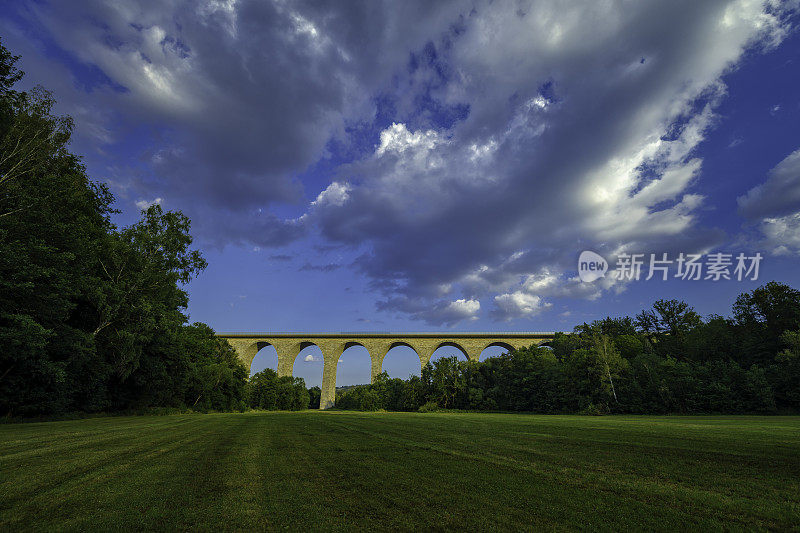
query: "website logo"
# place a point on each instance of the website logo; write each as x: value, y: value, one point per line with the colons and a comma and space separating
x: 591, y: 266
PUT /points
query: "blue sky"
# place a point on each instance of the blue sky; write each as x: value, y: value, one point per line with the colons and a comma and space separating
x: 419, y: 166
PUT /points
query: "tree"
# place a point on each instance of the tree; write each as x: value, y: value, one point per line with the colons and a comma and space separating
x: 667, y: 325
x: 263, y: 390
x: 91, y: 316
x: 761, y: 317
x: 775, y: 306
x: 138, y: 296
x: 784, y: 373
x: 444, y: 380
x: 593, y: 373
x: 608, y: 326
x: 48, y: 253
x: 668, y: 316
x: 215, y: 377
x: 314, y: 395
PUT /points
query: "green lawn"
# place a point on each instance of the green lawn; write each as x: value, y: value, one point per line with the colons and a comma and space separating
x: 337, y: 470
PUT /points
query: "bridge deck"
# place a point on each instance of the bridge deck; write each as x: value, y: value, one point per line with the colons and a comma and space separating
x: 384, y: 334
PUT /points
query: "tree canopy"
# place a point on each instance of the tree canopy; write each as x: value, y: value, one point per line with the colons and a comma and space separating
x: 91, y: 315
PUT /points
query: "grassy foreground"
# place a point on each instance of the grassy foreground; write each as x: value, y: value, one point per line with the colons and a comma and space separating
x: 336, y: 470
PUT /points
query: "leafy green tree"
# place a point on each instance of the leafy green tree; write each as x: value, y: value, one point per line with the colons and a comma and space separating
x: 674, y: 317
x: 263, y: 390
x: 51, y: 221
x: 784, y: 373
x: 762, y: 316
x: 314, y: 395
x: 593, y: 372
x: 292, y: 394
x: 413, y: 394
x: 629, y: 346
x: 610, y: 326
x: 714, y: 340
x: 444, y: 380
x: 215, y: 377
x: 667, y: 326
x: 563, y: 344
x: 140, y: 271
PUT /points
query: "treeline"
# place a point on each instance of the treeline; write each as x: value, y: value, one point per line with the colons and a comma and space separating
x: 665, y: 360
x: 91, y: 315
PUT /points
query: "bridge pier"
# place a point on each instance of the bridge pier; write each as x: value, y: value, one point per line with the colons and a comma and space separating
x: 329, y: 367
x: 287, y: 353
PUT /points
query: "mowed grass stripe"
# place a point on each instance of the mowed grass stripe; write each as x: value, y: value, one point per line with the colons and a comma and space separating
x: 336, y: 470
x: 74, y: 455
x: 606, y: 477
x: 104, y: 469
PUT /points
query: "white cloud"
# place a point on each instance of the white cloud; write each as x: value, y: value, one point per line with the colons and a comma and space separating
x: 439, y: 313
x: 465, y: 308
x: 520, y: 304
x: 397, y: 139
x: 310, y: 358
x: 336, y: 194
x: 144, y: 204
x: 782, y: 234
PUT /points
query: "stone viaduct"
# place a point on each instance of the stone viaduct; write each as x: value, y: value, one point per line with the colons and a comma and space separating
x: 377, y: 344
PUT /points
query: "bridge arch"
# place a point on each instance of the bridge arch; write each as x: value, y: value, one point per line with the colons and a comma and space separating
x: 495, y: 349
x: 395, y: 344
x: 304, y: 360
x: 500, y: 344
x: 394, y: 361
x: 266, y: 356
x: 354, y: 364
x: 452, y: 344
x: 350, y: 344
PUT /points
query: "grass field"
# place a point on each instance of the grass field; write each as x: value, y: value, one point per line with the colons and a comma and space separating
x: 339, y: 470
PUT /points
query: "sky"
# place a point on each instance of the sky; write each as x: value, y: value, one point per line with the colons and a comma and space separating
x: 437, y: 166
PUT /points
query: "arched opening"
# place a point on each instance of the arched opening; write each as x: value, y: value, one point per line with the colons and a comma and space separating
x: 401, y: 361
x: 449, y: 349
x: 266, y: 357
x: 355, y: 366
x: 495, y: 349
x: 308, y: 364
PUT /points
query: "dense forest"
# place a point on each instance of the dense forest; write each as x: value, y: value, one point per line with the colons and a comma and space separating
x: 92, y: 319
x: 91, y: 315
x: 665, y: 360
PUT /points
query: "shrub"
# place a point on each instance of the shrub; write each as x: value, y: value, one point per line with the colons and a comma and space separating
x: 429, y: 407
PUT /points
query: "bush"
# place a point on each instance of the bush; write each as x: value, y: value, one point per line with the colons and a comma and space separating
x: 429, y: 407
x: 269, y: 392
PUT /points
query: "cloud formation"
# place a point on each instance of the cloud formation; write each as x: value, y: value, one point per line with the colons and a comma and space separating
x: 573, y: 135
x: 774, y: 206
x: 463, y: 153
